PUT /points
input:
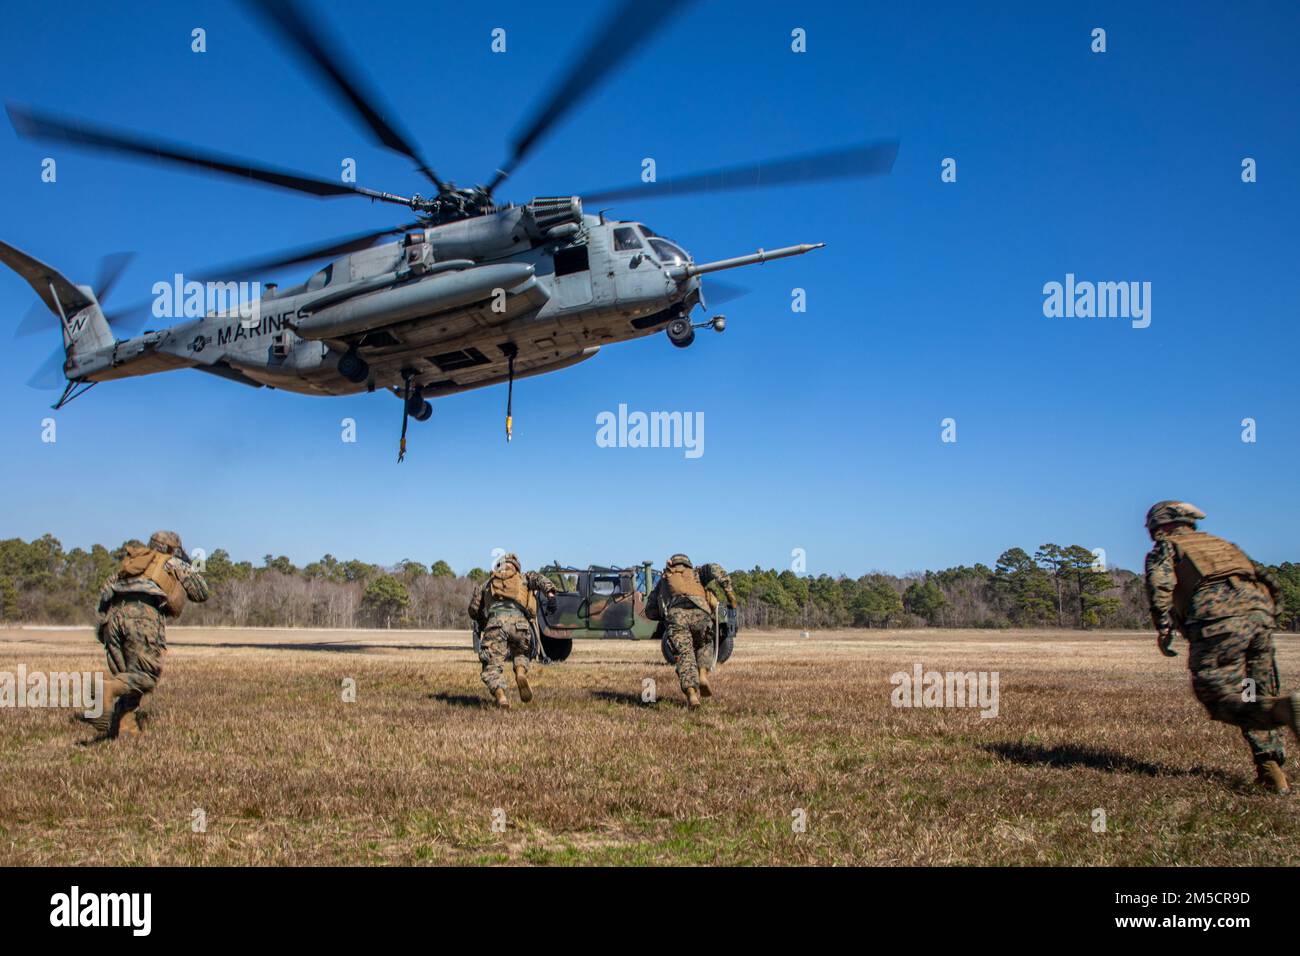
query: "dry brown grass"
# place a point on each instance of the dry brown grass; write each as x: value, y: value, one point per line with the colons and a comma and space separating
x: 250, y: 726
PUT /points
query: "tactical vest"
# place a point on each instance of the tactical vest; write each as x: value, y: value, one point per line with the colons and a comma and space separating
x: 1200, y: 558
x: 152, y: 565
x: 508, y: 585
x: 684, y: 588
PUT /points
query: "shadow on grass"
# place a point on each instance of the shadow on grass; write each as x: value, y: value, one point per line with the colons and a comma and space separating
x: 462, y: 700
x: 1067, y: 756
x: 351, y: 647
x: 619, y: 697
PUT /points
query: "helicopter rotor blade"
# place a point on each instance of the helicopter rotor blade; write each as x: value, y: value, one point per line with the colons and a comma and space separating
x: 49, y: 374
x: 719, y: 292
x: 334, y: 247
x: 111, y: 268
x: 632, y: 24
x: 46, y: 126
x: 40, y: 319
x: 849, y: 162
x: 286, y: 17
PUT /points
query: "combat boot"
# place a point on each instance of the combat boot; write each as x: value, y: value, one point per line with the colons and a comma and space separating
x: 502, y: 701
x: 1286, y: 710
x: 114, y: 688
x: 128, y: 725
x: 525, y: 689
x: 1269, y: 775
x: 705, y: 689
x: 692, y: 698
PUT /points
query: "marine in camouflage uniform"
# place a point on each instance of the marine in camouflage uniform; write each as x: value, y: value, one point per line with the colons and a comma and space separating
x: 150, y: 585
x: 1226, y: 607
x: 688, y: 610
x: 504, y: 609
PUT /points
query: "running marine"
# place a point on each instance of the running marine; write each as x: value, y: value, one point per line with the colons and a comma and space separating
x: 149, y: 588
x: 504, y: 609
x: 1226, y: 606
x: 683, y: 601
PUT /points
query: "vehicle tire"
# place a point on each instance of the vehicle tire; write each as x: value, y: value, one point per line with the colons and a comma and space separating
x: 422, y: 411
x: 725, y: 647
x: 680, y: 333
x: 353, y: 367
x: 557, y: 649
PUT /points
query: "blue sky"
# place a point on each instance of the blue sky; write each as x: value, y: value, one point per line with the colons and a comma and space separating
x: 822, y: 428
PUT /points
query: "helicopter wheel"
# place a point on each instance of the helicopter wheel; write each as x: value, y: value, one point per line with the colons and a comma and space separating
x: 680, y: 332
x: 420, y: 409
x: 353, y: 367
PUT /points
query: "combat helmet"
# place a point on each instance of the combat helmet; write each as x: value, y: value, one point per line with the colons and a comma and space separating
x: 1173, y: 512
x: 509, y: 558
x: 679, y: 560
x: 167, y: 542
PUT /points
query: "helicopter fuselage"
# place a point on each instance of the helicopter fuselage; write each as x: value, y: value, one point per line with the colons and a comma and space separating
x: 444, y: 305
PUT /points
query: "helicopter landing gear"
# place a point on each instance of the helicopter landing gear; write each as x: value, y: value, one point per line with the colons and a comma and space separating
x: 353, y: 367
x: 680, y: 332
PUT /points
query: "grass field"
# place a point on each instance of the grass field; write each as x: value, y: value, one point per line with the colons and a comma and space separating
x: 250, y: 727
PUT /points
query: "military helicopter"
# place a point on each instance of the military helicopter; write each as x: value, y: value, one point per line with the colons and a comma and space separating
x: 473, y: 293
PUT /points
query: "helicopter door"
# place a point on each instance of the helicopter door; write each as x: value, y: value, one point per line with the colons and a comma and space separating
x: 572, y: 276
x: 633, y: 269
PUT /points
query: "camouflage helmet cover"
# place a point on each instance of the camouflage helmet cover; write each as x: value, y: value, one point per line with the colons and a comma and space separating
x: 679, y: 560
x: 509, y: 558
x: 168, y: 542
x: 1173, y: 512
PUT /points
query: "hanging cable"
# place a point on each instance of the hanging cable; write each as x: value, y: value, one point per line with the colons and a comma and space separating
x: 511, y: 351
x: 406, y: 414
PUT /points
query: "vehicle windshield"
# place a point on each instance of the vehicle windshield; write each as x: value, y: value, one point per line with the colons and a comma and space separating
x: 668, y: 253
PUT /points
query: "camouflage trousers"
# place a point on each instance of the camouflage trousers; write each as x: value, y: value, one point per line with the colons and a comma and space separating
x: 689, y: 632
x: 135, y: 639
x: 508, y: 635
x: 1223, y: 654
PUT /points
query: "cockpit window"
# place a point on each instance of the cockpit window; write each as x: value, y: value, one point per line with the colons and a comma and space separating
x: 625, y: 238
x: 669, y: 254
x: 648, y: 232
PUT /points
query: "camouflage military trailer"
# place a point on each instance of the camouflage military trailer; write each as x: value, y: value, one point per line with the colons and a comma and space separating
x: 609, y: 602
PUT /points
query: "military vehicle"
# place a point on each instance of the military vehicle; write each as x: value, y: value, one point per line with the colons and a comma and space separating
x: 475, y: 292
x: 609, y: 602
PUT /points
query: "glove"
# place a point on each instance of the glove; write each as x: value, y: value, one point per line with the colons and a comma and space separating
x: 731, y: 601
x: 1163, y: 641
x: 551, y: 604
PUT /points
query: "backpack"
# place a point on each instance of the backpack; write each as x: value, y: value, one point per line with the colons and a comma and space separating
x: 507, y: 584
x: 152, y: 566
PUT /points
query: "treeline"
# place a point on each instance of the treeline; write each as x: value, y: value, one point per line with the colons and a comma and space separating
x: 41, y: 583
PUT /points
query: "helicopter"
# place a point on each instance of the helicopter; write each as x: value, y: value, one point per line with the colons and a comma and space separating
x: 472, y: 292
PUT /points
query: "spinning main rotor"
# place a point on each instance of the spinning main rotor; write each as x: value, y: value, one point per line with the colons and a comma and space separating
x: 631, y: 24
